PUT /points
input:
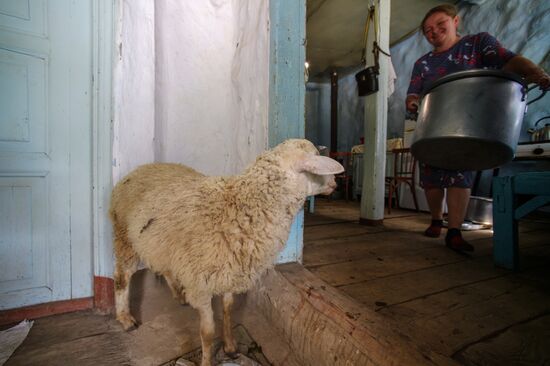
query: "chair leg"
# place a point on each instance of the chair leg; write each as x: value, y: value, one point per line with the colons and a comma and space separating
x: 413, y: 191
x: 390, y: 193
x: 396, y: 194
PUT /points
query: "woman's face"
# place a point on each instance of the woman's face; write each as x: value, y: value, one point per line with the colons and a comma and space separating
x: 440, y: 28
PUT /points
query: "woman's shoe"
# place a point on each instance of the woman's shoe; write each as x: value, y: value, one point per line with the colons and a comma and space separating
x: 435, y: 229
x: 457, y: 243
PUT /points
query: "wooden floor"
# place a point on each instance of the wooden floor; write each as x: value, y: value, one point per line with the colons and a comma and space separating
x: 460, y: 306
x: 167, y: 330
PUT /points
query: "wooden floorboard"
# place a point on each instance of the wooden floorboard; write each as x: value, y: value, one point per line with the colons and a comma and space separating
x: 377, y: 265
x: 80, y: 338
x: 460, y: 306
x: 339, y: 230
x: 454, y: 319
x: 526, y: 343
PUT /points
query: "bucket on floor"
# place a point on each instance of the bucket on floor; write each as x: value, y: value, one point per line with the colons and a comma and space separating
x: 480, y: 210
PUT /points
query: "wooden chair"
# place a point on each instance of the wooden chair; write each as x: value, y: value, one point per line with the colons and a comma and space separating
x: 404, y: 169
x: 343, y: 179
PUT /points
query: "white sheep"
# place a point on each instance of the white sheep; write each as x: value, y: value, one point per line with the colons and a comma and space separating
x: 212, y: 235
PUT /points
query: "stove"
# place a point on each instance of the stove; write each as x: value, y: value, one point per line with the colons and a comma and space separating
x: 533, y: 150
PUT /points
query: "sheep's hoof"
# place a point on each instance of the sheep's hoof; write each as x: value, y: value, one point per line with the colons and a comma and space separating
x: 128, y: 322
x: 232, y: 355
x: 231, y: 352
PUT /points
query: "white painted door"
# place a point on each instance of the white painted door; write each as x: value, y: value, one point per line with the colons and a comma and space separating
x: 45, y: 151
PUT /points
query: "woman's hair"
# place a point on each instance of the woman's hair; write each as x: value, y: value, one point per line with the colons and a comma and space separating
x: 448, y: 9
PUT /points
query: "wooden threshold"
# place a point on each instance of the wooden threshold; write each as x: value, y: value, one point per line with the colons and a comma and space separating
x: 42, y: 310
x: 103, y: 301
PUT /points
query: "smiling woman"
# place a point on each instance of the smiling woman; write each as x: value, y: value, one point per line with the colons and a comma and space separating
x: 441, y: 28
x: 454, y: 53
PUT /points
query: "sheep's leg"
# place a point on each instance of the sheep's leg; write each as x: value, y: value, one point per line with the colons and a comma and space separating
x: 207, y: 329
x: 177, y: 291
x: 229, y: 344
x: 126, y: 265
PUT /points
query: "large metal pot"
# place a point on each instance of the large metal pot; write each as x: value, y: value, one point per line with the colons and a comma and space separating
x: 480, y: 210
x: 470, y: 120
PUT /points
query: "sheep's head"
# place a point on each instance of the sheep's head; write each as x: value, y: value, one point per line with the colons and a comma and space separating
x: 314, y: 172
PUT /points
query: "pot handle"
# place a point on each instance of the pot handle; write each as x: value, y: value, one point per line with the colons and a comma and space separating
x: 537, y: 98
x: 541, y: 119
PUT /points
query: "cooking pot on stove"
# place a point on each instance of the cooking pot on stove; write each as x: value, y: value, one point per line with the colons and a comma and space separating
x: 471, y: 120
x: 542, y: 133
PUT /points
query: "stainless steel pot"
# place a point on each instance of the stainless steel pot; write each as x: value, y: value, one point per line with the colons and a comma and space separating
x: 480, y: 210
x: 470, y: 120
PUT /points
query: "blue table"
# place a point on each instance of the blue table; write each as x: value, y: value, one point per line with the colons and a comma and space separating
x: 507, y: 211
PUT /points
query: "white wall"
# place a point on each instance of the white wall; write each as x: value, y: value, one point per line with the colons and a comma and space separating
x: 134, y: 87
x: 211, y: 83
x: 191, y: 84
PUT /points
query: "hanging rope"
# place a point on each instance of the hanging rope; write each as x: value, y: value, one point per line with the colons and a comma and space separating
x: 367, y: 79
x: 372, y: 14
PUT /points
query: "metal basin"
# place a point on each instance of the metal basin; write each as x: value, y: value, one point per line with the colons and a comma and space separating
x: 470, y: 120
x: 480, y: 210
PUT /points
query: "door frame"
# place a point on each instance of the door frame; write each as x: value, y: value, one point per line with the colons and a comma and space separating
x: 286, y: 119
x: 287, y: 88
x: 105, y: 29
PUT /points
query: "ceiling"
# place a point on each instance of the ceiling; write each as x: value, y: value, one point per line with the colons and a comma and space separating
x: 335, y: 30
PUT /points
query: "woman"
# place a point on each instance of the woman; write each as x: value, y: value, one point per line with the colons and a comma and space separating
x: 452, y: 53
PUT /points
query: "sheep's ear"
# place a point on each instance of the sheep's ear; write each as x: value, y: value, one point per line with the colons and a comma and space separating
x: 320, y: 165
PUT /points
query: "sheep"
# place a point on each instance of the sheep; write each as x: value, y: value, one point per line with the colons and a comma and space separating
x: 211, y: 235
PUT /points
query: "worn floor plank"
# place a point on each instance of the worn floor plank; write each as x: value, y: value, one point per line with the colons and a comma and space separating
x: 476, y: 311
x: 339, y: 230
x: 81, y: 338
x: 461, y: 306
x: 377, y: 265
x: 518, y: 345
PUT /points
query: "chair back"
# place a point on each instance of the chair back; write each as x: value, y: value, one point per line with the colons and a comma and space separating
x: 404, y: 164
x: 344, y: 158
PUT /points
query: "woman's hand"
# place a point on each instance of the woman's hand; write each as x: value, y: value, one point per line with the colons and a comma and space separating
x: 529, y: 70
x: 412, y: 103
x: 540, y: 78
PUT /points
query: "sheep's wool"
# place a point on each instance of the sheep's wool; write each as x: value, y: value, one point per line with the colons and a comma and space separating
x: 209, y: 235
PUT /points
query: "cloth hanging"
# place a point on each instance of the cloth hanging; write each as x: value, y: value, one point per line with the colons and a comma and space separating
x: 392, y: 76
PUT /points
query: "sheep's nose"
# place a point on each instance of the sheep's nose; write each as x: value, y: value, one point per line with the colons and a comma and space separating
x: 331, y: 186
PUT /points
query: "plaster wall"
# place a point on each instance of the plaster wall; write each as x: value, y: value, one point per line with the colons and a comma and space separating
x: 191, y: 84
x: 211, y: 83
x: 134, y: 87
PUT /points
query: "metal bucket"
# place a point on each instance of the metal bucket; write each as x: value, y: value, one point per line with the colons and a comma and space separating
x: 480, y: 210
x: 470, y: 120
